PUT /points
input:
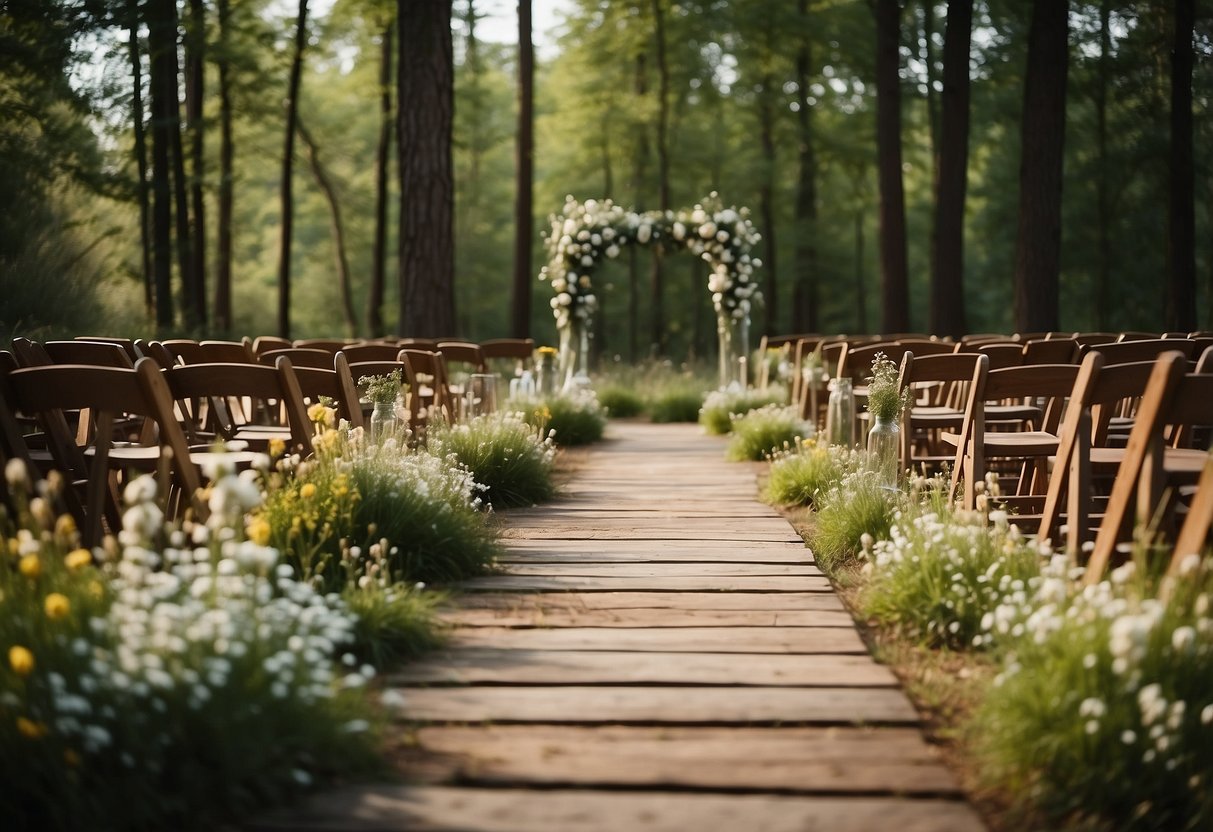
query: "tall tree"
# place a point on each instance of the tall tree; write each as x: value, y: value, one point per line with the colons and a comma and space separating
x: 181, y: 198
x: 162, y: 53
x: 524, y: 223
x: 1181, y: 239
x: 894, y: 270
x: 425, y: 78
x: 1043, y: 130
x: 195, y: 79
x: 951, y: 176
x: 1103, y: 202
x: 374, y: 296
x: 336, y: 228
x: 767, y: 89
x: 805, y: 295
x: 223, y: 259
x: 142, y: 195
x: 657, y: 272
x: 287, y: 192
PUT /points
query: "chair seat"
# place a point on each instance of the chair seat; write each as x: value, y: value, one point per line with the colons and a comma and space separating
x: 1183, y: 464
x: 1022, y: 443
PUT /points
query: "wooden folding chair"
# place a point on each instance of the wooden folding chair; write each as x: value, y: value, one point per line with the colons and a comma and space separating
x: 1193, y: 538
x: 429, y: 391
x: 127, y: 344
x: 462, y: 355
x: 1149, y: 477
x: 1029, y: 449
x: 330, y: 344
x: 92, y: 353
x: 265, y: 343
x: 1126, y: 352
x: 299, y: 357
x: 209, y: 352
x: 370, y: 351
x: 336, y: 384
x: 934, y: 382
x: 1051, y: 351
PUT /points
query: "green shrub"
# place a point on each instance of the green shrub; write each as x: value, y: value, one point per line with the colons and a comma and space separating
x: 621, y: 402
x: 720, y: 406
x: 187, y: 682
x: 393, y: 622
x: 761, y: 432
x: 569, y: 419
x: 1103, y: 713
x: 811, y: 467
x: 676, y: 405
x: 505, y: 455
x: 941, y: 572
x: 858, y: 508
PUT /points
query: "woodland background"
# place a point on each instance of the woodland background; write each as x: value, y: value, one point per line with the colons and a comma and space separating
x: 655, y: 103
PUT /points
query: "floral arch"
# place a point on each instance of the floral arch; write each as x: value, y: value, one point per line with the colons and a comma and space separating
x: 585, y: 234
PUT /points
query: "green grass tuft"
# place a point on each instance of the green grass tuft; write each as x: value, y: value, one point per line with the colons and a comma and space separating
x: 856, y: 507
x: 507, y: 456
x: 762, y: 432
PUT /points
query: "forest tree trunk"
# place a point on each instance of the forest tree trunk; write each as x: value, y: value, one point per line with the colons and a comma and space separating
x: 288, y: 170
x: 162, y: 54
x: 223, y: 265
x: 425, y: 76
x: 142, y: 193
x: 336, y: 227
x: 524, y: 220
x: 1043, y: 122
x: 894, y: 273
x: 195, y: 80
x: 805, y: 303
x: 1181, y: 248
x: 657, y: 273
x: 374, y: 295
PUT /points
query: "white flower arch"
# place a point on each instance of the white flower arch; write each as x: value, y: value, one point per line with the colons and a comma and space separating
x: 585, y: 234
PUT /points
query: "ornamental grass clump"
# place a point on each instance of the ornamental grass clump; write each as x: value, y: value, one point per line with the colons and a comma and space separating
x: 621, y: 401
x: 720, y: 406
x: 809, y: 468
x: 511, y: 459
x: 570, y: 419
x: 762, y: 432
x: 1102, y: 716
x: 855, y: 511
x: 942, y: 572
x: 185, y: 681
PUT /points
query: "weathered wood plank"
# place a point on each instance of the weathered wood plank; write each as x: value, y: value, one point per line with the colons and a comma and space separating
x: 660, y: 570
x: 663, y: 552
x: 779, y: 640
x: 792, y: 760
x: 537, y: 583
x: 777, y: 602
x: 476, y: 666
x: 671, y: 532
x: 536, y: 615
x: 600, y: 705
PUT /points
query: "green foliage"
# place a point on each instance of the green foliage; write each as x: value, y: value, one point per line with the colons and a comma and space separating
x: 810, y: 468
x: 510, y: 458
x: 676, y: 405
x: 942, y: 573
x: 383, y: 389
x: 621, y: 402
x: 721, y: 406
x: 1103, y: 710
x: 857, y: 509
x: 885, y: 401
x: 570, y: 420
x: 762, y: 432
x: 394, y: 621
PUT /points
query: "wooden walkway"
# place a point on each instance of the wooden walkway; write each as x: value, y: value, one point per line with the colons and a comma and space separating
x: 660, y: 653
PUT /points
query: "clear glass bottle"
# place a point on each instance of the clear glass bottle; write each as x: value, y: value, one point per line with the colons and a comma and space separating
x: 383, y: 421
x: 840, y: 413
x: 884, y: 440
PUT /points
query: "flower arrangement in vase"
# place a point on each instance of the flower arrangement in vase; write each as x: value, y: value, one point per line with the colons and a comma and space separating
x: 886, y: 402
x: 382, y: 392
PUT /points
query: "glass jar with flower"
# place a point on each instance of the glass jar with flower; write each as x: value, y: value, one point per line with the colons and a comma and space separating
x: 886, y: 402
x: 383, y: 392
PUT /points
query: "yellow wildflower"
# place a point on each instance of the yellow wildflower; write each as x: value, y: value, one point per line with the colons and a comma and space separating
x: 30, y: 729
x: 307, y: 491
x: 20, y: 660
x: 259, y: 531
x: 65, y: 527
x: 97, y: 590
x: 322, y: 415
x: 30, y: 566
x: 77, y: 559
x: 56, y: 606
x: 277, y: 448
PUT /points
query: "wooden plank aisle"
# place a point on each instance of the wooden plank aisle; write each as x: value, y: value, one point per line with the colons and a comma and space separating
x: 659, y: 653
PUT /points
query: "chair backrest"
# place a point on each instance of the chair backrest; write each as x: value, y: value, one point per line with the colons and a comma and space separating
x: 1140, y: 336
x: 370, y: 351
x: 155, y: 351
x: 127, y: 344
x: 1051, y: 351
x: 430, y: 344
x: 1125, y: 352
x: 299, y: 357
x: 426, y: 370
x: 265, y: 343
x: 107, y: 392
x: 463, y: 352
x: 330, y: 344
x: 856, y: 362
x: 522, y: 349
x: 92, y: 353
x: 256, y: 382
x: 337, y: 384
x: 1087, y: 339
x: 1193, y: 538
x: 1172, y: 397
x: 186, y: 351
x: 942, y: 370
x: 1001, y: 355
x: 30, y: 353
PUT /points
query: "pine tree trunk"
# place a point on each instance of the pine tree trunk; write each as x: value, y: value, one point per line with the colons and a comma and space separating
x: 861, y: 285
x: 657, y: 273
x: 336, y: 227
x: 766, y: 208
x: 524, y: 220
x: 195, y: 79
x: 1103, y: 252
x: 162, y: 50
x: 425, y: 79
x: 639, y: 172
x: 951, y: 175
x: 894, y: 275
x: 1181, y: 248
x: 288, y: 171
x: 223, y: 265
x: 805, y: 303
x: 374, y: 300
x: 928, y: 59
x: 171, y: 113
x: 142, y: 193
x: 1038, y: 242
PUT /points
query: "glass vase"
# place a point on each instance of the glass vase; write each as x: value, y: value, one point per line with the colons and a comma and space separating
x: 733, y: 336
x: 884, y: 440
x: 840, y: 413
x: 383, y: 422
x: 574, y: 357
